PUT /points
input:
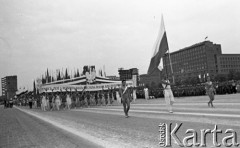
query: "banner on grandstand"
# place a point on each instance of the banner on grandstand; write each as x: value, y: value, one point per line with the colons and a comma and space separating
x: 92, y: 87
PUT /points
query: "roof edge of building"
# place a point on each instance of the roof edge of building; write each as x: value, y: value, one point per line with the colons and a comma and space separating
x: 191, y: 46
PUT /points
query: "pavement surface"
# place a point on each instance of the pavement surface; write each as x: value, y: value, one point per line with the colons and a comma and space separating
x: 20, y: 130
x: 106, y: 126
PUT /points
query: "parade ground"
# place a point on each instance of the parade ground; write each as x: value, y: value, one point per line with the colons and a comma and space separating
x: 106, y: 126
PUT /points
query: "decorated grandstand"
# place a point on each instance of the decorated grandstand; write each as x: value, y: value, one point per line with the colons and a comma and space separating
x: 88, y: 79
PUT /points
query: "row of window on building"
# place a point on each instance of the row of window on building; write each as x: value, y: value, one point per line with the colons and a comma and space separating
x: 228, y: 70
x: 222, y: 59
x: 230, y: 66
x: 188, y: 57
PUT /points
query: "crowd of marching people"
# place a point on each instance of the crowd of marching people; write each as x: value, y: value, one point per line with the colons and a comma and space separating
x: 49, y: 101
x: 79, y: 99
x: 68, y: 100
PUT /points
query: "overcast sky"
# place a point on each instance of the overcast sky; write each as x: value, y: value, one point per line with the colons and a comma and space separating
x: 55, y: 34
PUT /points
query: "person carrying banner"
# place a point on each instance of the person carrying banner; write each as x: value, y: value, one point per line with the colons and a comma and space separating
x: 44, y: 102
x: 125, y: 94
x: 111, y: 96
x: 69, y: 101
x: 96, y: 97
x: 168, y: 95
x: 64, y: 100
x: 87, y: 99
x: 57, y: 101
x: 82, y: 97
x: 50, y: 101
x: 30, y: 102
x: 118, y: 97
x: 74, y: 100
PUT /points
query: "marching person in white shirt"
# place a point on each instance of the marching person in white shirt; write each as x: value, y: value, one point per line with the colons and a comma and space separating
x: 44, y: 102
x: 168, y: 95
x: 57, y: 101
x: 69, y: 101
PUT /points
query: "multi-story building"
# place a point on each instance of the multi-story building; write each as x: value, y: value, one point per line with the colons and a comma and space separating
x: 126, y: 74
x: 198, y: 61
x: 228, y: 62
x: 129, y: 74
x: 9, y: 86
x: 194, y: 62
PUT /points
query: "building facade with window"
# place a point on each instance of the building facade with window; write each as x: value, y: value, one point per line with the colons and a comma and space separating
x: 228, y: 62
x: 9, y: 86
x: 129, y: 74
x: 199, y: 61
x: 195, y: 63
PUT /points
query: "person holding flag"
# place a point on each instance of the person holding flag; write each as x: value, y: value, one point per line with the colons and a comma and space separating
x: 160, y: 51
x: 168, y: 94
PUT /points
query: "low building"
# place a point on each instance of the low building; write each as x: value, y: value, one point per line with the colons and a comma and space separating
x: 113, y: 77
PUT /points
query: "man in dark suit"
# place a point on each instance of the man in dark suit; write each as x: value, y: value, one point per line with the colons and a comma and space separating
x: 125, y: 94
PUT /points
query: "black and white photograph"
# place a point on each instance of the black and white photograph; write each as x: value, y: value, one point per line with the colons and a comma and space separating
x: 119, y: 73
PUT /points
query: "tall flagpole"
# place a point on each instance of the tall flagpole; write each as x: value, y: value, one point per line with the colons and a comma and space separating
x: 170, y: 62
x: 166, y: 66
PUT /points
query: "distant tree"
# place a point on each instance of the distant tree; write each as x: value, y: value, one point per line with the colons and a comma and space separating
x: 159, y: 85
x: 47, y: 77
x: 75, y: 74
x: 78, y: 75
x: 237, y: 76
x: 186, y: 81
x: 194, y: 81
x: 59, y: 75
x: 43, y: 80
x: 220, y: 78
x: 66, y: 74
x: 231, y: 74
x: 153, y: 84
x: 147, y: 85
x: 34, y: 88
x: 178, y: 82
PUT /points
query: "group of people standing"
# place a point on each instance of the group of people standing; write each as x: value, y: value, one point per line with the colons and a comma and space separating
x: 68, y: 100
